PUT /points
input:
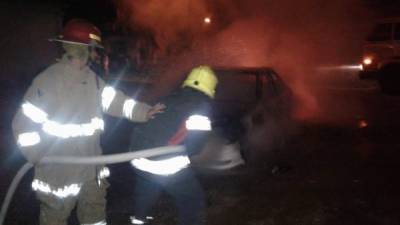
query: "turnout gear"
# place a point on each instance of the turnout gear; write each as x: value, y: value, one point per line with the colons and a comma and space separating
x: 90, y: 205
x: 78, y: 31
x: 62, y: 115
x: 203, y: 79
x: 184, y: 122
x: 184, y: 188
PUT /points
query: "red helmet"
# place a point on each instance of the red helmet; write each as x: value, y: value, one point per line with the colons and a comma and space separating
x: 78, y: 31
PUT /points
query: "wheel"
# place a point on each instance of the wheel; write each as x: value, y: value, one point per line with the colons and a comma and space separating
x: 389, y: 79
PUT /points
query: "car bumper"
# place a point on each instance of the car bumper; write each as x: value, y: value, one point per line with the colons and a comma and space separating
x: 365, y: 74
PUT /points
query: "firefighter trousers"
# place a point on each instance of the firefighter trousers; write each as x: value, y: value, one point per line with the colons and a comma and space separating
x: 183, y: 187
x: 90, y: 203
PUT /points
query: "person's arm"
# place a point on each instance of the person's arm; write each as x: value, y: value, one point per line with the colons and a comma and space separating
x: 116, y: 103
x: 27, y: 122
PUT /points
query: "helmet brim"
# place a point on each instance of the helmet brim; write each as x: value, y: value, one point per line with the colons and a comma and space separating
x: 74, y: 42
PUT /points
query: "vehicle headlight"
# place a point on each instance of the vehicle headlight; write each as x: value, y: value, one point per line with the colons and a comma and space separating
x: 367, y: 61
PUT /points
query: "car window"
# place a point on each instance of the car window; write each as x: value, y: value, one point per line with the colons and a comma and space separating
x: 236, y: 87
x: 271, y: 84
x: 397, y: 32
x: 236, y: 94
x: 241, y: 91
x: 381, y: 32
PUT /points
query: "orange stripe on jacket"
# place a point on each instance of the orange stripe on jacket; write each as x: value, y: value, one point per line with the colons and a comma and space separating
x: 179, y: 136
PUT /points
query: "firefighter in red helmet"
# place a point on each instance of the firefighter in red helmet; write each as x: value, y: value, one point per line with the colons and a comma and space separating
x: 81, y: 32
x: 61, y: 115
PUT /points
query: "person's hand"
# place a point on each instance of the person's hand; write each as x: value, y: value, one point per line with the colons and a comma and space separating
x: 157, y: 108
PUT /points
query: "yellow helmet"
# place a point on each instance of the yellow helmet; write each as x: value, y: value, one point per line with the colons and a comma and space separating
x: 202, y: 78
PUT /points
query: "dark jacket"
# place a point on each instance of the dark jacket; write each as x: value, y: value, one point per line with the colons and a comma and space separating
x: 169, y: 128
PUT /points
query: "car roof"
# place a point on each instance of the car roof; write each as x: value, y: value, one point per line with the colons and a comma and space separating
x: 389, y: 20
x: 239, y: 70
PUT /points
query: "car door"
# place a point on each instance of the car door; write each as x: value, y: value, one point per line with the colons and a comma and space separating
x: 396, y: 37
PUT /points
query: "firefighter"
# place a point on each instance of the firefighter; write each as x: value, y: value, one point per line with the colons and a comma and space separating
x: 61, y: 115
x: 184, y: 122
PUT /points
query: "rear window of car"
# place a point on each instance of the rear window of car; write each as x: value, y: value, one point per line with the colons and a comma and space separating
x: 235, y: 94
x: 381, y: 32
x: 243, y: 86
x: 236, y: 87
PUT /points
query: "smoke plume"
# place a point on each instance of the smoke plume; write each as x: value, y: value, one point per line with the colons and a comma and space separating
x: 294, y: 37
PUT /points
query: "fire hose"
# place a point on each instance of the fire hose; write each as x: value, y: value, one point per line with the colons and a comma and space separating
x: 95, y: 160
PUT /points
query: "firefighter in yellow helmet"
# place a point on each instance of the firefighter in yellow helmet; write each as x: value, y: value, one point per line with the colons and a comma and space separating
x: 185, y: 122
x: 62, y: 115
x: 203, y: 79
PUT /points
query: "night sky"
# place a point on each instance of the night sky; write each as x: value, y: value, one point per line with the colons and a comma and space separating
x: 102, y: 11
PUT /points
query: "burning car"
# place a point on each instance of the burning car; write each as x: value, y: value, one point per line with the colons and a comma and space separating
x: 252, y: 115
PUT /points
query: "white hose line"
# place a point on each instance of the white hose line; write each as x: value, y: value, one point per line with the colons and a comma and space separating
x: 102, y: 159
x: 114, y: 158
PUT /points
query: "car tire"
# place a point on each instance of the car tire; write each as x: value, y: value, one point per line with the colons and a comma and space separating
x: 389, y: 79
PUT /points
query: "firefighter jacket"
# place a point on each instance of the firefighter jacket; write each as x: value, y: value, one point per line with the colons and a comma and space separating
x: 185, y: 121
x: 61, y: 115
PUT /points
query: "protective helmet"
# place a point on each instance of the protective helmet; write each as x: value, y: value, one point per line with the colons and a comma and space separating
x: 202, y: 78
x: 78, y: 31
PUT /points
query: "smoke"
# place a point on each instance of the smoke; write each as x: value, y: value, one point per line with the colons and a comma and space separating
x: 294, y: 37
x: 173, y: 22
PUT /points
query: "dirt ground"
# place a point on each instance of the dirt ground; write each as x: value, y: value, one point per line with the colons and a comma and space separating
x: 339, y: 179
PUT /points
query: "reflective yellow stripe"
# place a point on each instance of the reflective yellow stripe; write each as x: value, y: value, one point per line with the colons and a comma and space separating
x: 95, y: 37
x: 73, y: 130
x: 34, y: 113
x: 103, y: 222
x: 54, y: 128
x: 28, y: 139
x: 136, y: 221
x: 104, y: 173
x: 198, y: 122
x: 128, y: 108
x: 107, y: 96
x: 66, y: 191
x: 162, y: 167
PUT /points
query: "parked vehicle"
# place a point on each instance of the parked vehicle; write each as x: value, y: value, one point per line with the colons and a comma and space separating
x: 381, y: 54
